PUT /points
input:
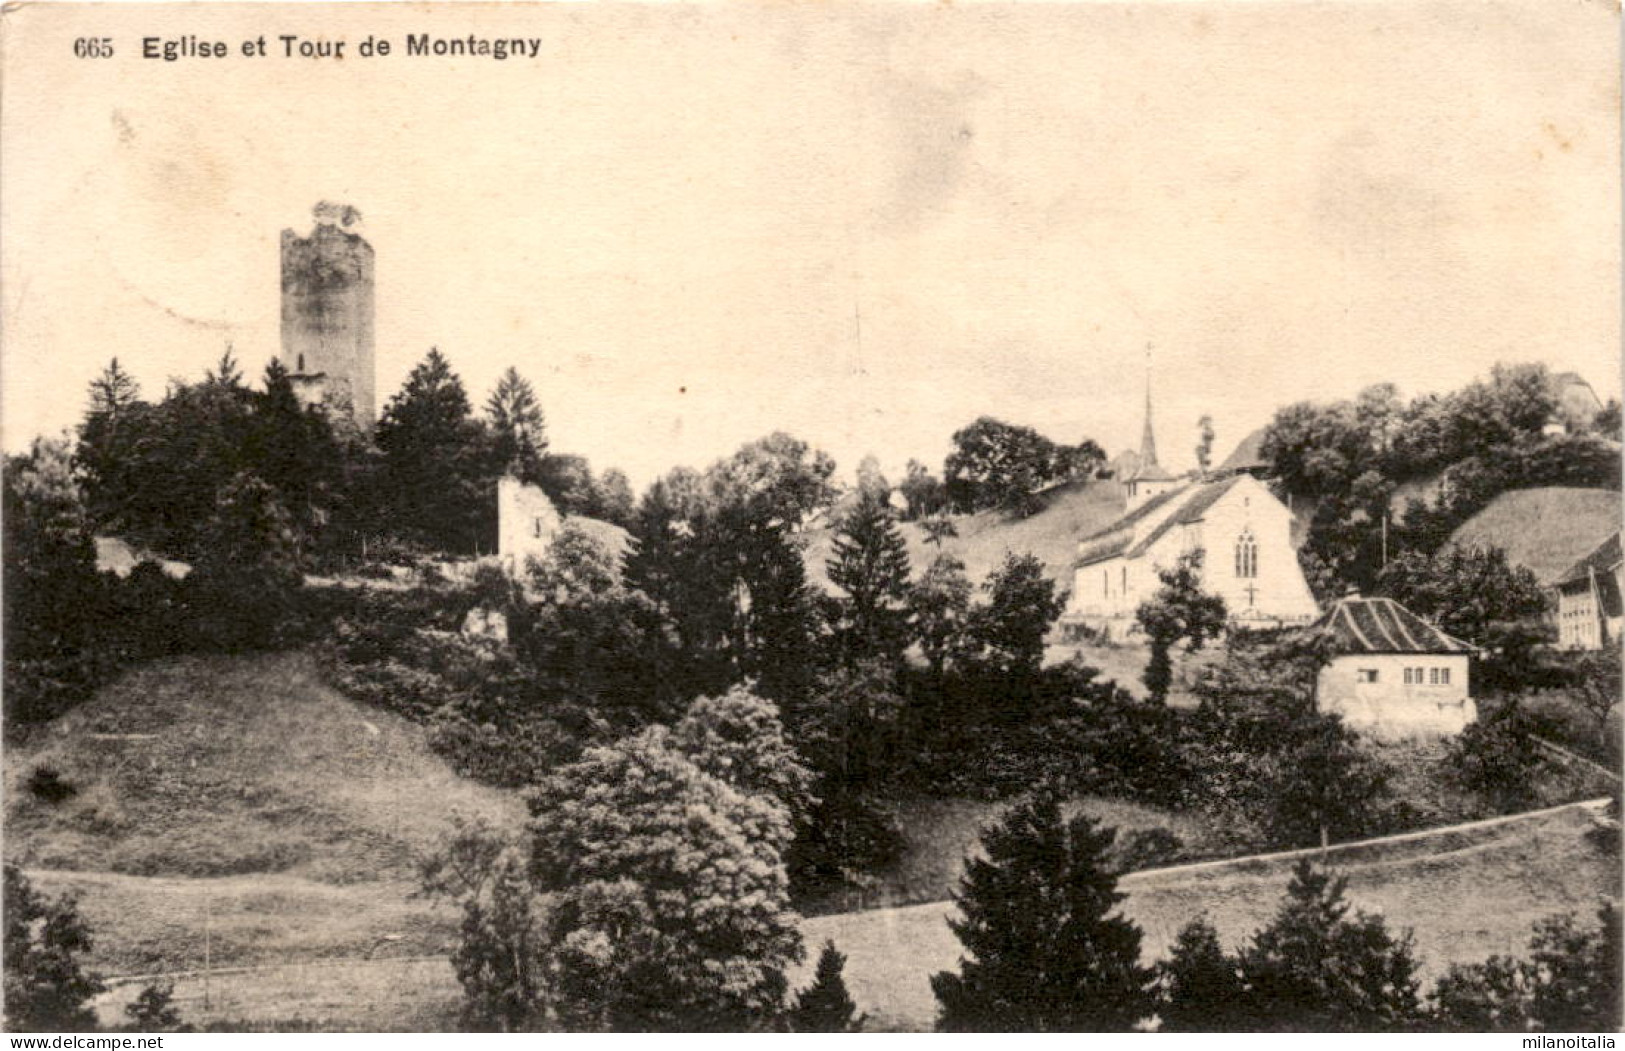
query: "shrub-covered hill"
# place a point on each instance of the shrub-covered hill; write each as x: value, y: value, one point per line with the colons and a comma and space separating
x: 215, y: 766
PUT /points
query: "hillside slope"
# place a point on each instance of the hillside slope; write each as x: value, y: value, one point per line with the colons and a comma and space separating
x: 1546, y: 529
x: 215, y: 766
x: 1071, y: 512
x: 1465, y: 895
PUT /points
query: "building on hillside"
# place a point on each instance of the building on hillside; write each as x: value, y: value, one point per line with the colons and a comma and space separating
x: 527, y: 522
x: 1242, y: 530
x: 1586, y: 599
x: 1391, y: 673
x: 327, y: 314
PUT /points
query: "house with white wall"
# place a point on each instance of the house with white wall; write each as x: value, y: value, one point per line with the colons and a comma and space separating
x: 1391, y: 673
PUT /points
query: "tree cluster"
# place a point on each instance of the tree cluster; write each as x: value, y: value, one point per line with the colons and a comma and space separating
x: 1349, y: 457
x: 997, y: 464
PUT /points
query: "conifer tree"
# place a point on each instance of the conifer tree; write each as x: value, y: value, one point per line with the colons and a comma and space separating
x: 518, y: 433
x: 870, y: 566
x: 1201, y: 984
x: 436, y: 466
x: 1045, y: 951
x: 825, y: 1006
x: 248, y: 572
x: 1315, y: 969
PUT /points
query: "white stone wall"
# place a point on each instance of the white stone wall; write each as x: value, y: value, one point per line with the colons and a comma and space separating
x: 1391, y: 708
x: 1106, y: 594
x: 1279, y: 593
x: 527, y: 522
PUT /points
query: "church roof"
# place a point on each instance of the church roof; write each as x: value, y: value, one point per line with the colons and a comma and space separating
x: 1151, y: 472
x: 1180, y: 507
x: 1380, y: 625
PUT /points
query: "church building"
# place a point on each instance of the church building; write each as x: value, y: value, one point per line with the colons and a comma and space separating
x: 1242, y: 530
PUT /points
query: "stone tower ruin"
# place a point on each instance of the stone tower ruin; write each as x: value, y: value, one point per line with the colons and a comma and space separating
x: 327, y: 313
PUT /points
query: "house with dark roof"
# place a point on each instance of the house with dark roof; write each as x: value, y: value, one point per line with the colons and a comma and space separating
x: 1587, y: 598
x: 1391, y: 673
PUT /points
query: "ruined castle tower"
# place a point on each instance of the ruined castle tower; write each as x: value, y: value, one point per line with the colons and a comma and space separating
x: 327, y: 313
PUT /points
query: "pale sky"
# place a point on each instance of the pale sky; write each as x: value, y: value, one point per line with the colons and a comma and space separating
x: 863, y: 224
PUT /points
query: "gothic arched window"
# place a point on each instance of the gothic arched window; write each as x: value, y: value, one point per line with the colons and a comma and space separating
x: 1246, y: 555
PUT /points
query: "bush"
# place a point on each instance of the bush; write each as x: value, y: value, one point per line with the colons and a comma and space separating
x: 1570, y: 982
x: 1147, y: 848
x: 1495, y: 759
x: 47, y: 784
x: 154, y: 1010
x: 46, y: 985
x: 843, y: 838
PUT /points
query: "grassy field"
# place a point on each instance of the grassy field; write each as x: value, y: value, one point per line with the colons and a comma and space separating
x: 1464, y: 894
x: 941, y: 832
x: 1546, y: 529
x: 243, y: 797
x: 216, y: 766
x: 1464, y: 897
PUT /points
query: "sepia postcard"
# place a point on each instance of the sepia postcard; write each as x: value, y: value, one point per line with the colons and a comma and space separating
x: 812, y: 517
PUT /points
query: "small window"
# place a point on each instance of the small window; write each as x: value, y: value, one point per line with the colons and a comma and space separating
x: 1433, y: 676
x: 1410, y: 680
x: 1444, y: 676
x: 536, y: 526
x: 1365, y: 675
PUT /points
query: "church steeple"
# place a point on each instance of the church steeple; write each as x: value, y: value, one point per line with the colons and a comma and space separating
x: 1148, y: 440
x: 1149, y: 478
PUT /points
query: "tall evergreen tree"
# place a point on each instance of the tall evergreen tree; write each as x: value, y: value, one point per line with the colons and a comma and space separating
x: 825, y: 1006
x: 1045, y: 951
x: 941, y: 606
x: 1202, y: 990
x: 870, y: 565
x: 518, y: 433
x: 108, y: 439
x: 436, y: 467
x: 248, y: 572
x: 1316, y: 969
x: 296, y: 452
